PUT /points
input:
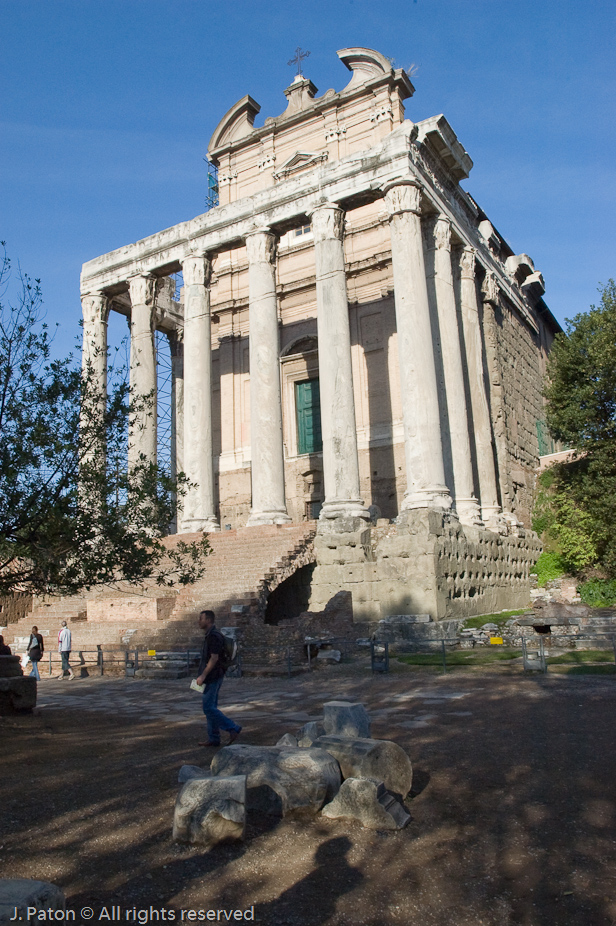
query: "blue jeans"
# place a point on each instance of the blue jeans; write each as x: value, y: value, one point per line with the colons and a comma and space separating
x: 35, y: 671
x: 216, y: 720
x: 64, y: 654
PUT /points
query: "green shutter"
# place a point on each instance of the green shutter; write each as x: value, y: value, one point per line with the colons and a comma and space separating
x: 308, y: 412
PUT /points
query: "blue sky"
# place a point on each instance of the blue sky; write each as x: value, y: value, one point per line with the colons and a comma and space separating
x: 107, y: 107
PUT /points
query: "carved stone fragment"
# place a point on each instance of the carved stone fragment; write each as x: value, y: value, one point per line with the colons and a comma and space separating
x: 210, y: 810
x: 368, y: 758
x: 370, y: 803
x: 281, y: 780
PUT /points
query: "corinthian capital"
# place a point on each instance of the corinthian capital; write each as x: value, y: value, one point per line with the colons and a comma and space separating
x: 261, y: 246
x: 490, y: 289
x: 403, y: 196
x: 327, y: 222
x: 196, y: 270
x: 94, y: 308
x: 142, y: 289
x: 442, y: 233
x: 467, y: 264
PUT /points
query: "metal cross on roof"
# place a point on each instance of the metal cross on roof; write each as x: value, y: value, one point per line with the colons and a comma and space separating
x: 299, y: 57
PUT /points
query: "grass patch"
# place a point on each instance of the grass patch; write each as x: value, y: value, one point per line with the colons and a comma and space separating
x: 581, y: 657
x: 549, y: 566
x: 481, y: 657
x: 500, y: 618
x: 584, y: 670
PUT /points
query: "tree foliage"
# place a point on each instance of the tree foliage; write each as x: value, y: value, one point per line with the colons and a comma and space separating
x: 72, y: 517
x: 577, y: 499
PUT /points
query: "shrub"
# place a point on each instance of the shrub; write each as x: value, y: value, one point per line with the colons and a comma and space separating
x: 549, y: 566
x: 598, y: 593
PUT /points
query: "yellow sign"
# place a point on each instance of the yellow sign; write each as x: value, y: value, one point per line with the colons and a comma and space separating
x: 152, y: 652
x: 497, y: 640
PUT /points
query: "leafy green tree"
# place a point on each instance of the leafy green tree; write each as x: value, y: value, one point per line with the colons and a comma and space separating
x: 577, y: 510
x: 72, y: 517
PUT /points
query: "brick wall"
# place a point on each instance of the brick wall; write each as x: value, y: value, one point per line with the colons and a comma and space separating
x: 14, y: 607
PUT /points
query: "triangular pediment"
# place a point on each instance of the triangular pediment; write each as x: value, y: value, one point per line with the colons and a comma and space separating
x: 301, y: 160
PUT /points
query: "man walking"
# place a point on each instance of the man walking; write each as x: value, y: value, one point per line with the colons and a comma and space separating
x: 64, y: 648
x: 211, y: 673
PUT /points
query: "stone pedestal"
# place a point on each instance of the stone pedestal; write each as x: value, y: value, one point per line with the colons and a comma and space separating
x: 197, y: 506
x: 17, y: 692
x: 266, y: 446
x: 340, y: 460
x: 142, y: 419
x: 423, y: 446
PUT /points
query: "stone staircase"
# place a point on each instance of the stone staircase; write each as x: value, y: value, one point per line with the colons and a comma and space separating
x: 245, y: 566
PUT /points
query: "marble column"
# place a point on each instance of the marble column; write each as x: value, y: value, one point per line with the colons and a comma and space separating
x: 176, y: 351
x: 143, y: 412
x: 491, y: 324
x: 266, y: 446
x: 339, y: 429
x: 95, y: 310
x: 198, y: 512
x: 465, y: 501
x: 484, y: 449
x: 426, y: 487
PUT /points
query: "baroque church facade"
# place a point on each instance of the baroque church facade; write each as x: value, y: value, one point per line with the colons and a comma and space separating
x: 354, y: 343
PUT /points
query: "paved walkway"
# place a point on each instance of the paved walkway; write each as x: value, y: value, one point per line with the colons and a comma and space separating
x: 412, y: 702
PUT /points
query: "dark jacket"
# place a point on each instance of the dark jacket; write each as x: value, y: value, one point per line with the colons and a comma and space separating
x: 35, y: 647
x: 213, y: 645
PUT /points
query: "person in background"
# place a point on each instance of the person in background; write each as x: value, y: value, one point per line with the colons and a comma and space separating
x: 211, y: 673
x: 4, y: 649
x: 64, y: 648
x: 35, y: 651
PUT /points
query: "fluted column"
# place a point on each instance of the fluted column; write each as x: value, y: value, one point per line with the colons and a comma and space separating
x: 486, y: 470
x: 176, y: 351
x: 465, y: 502
x: 95, y: 310
x: 339, y: 430
x: 266, y: 447
x: 423, y: 446
x: 198, y: 512
x: 491, y: 318
x: 142, y: 418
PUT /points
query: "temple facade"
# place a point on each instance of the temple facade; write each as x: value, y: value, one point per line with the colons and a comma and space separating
x: 354, y: 341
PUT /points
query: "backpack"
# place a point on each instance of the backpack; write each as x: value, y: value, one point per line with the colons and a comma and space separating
x: 228, y: 657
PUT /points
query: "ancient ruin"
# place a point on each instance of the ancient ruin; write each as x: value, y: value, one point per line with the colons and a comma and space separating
x: 346, y: 776
x: 354, y: 344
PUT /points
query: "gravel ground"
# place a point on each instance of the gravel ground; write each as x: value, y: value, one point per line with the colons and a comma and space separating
x: 513, y: 802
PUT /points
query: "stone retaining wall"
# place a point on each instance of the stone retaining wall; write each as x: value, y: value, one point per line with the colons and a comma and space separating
x: 428, y: 564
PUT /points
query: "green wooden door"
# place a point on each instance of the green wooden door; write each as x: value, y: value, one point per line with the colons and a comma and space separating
x: 308, y: 412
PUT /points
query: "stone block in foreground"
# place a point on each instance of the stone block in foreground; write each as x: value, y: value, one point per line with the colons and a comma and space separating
x: 210, y: 810
x: 188, y: 772
x: 345, y: 718
x: 367, y: 758
x: 21, y: 893
x: 17, y: 694
x: 10, y: 667
x: 281, y: 780
x: 311, y: 731
x: 367, y: 801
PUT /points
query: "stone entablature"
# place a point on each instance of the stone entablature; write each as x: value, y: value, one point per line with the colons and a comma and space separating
x: 342, y: 222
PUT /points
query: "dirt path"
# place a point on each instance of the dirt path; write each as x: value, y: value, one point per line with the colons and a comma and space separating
x: 513, y: 809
